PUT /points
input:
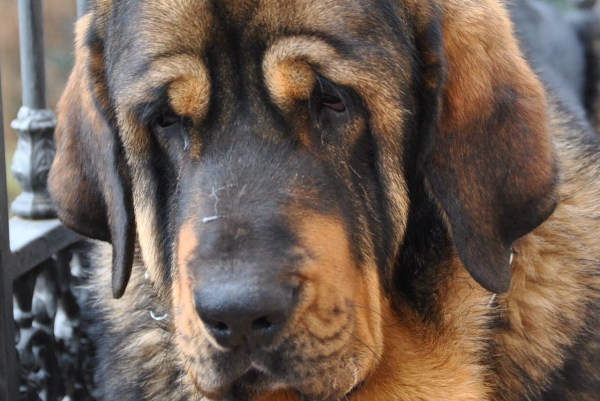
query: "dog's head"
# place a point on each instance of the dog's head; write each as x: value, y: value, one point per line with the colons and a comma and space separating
x: 294, y: 170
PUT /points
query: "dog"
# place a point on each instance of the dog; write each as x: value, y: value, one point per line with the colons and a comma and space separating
x: 369, y: 200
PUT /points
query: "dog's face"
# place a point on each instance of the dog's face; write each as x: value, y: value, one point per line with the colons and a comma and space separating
x: 296, y: 170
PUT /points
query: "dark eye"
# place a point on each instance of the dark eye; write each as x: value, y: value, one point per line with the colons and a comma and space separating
x: 167, y: 120
x: 333, y: 102
x: 170, y: 130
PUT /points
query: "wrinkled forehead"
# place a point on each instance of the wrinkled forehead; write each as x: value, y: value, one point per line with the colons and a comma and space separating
x: 153, y: 31
x: 191, y: 24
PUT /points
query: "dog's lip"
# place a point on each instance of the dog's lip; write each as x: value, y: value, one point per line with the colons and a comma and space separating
x: 241, y: 387
x: 354, y: 390
x: 346, y: 396
x: 251, y: 381
x: 246, y: 377
x: 255, y: 378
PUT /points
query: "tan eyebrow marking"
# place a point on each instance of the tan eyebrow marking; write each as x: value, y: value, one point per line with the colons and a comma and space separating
x: 289, y: 81
x: 189, y: 94
x: 289, y: 70
x: 189, y: 85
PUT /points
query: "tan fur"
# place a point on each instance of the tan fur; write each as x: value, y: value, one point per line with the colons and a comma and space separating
x: 360, y: 333
x: 360, y: 76
x: 289, y: 81
x: 328, y: 320
x: 433, y: 361
x: 554, y: 277
x: 188, y: 327
x: 479, y: 34
x: 147, y: 348
x: 66, y: 143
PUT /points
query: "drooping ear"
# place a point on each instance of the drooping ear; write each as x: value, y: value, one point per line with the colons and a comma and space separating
x: 487, y: 157
x: 88, y: 180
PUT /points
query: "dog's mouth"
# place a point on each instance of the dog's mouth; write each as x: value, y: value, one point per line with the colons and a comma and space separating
x: 245, y: 378
x: 254, y: 383
x: 251, y: 384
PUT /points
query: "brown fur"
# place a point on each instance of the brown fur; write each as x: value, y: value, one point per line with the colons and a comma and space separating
x: 491, y: 143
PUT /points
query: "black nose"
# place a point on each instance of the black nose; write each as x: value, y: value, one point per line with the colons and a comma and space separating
x: 238, y: 313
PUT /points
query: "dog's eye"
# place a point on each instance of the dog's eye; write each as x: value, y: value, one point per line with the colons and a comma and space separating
x: 170, y: 131
x: 333, y: 102
x: 167, y: 120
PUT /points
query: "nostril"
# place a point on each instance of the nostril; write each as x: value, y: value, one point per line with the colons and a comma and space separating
x: 214, y: 325
x: 220, y: 331
x: 262, y: 323
x: 220, y: 326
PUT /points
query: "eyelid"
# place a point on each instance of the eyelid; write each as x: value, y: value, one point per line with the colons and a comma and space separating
x: 157, y: 104
x: 329, y: 95
x: 325, y: 87
x: 167, y: 119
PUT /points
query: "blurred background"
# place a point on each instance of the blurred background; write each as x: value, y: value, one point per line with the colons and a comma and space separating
x: 59, y: 19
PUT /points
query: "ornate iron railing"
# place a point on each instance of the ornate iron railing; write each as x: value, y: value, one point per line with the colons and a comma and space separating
x: 44, y: 349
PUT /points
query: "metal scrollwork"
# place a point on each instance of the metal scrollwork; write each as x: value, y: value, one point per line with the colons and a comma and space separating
x: 55, y: 352
x: 32, y: 161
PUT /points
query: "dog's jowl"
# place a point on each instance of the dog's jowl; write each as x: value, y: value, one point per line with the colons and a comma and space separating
x: 292, y: 200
